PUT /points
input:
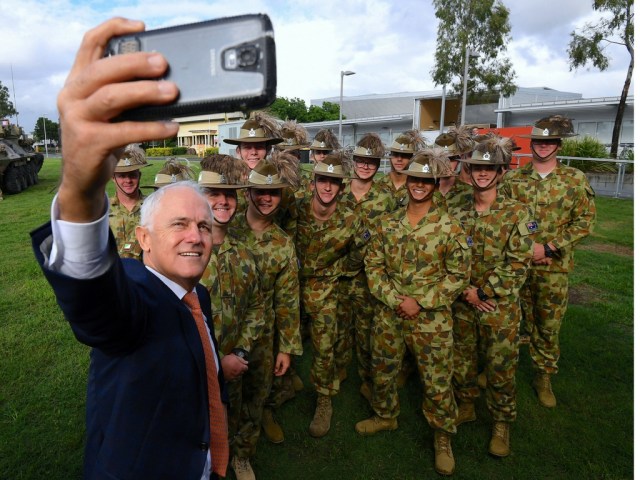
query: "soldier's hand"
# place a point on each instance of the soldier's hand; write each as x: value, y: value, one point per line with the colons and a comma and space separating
x: 538, y: 254
x: 97, y: 90
x: 233, y: 367
x: 470, y: 295
x: 408, y: 308
x: 283, y: 361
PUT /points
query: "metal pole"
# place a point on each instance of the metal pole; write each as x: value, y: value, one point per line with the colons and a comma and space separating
x: 340, y: 118
x: 342, y: 74
x: 464, y: 87
x: 44, y: 127
x: 444, y: 96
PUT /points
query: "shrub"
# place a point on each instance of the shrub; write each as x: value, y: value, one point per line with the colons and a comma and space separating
x: 210, y: 151
x: 587, y: 147
x: 179, y: 151
x: 159, y: 152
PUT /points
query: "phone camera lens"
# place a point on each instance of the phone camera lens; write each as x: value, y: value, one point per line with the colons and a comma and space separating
x: 247, y: 56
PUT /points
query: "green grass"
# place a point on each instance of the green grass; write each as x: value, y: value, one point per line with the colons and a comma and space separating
x: 588, y: 436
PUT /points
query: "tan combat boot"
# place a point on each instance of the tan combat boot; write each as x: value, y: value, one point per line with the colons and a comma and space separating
x: 445, y: 463
x: 542, y: 385
x: 466, y: 413
x: 376, y: 424
x: 242, y: 468
x: 365, y: 391
x: 321, y: 422
x: 270, y: 426
x: 499, y: 445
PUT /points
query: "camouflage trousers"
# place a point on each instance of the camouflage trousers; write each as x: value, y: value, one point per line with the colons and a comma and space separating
x: 355, y: 316
x: 432, y: 350
x: 282, y: 386
x: 247, y: 403
x: 320, y: 304
x: 544, y: 298
x: 494, y: 338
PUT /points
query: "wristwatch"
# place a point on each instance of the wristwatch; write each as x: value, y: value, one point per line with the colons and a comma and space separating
x: 481, y: 295
x: 240, y: 352
x: 547, y: 251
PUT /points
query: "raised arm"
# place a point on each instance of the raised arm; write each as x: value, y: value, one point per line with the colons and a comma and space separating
x: 96, y: 91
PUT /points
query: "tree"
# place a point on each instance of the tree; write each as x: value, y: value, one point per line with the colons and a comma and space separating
x: 480, y: 26
x: 52, y: 130
x: 296, y: 109
x: 588, y: 44
x: 6, y: 106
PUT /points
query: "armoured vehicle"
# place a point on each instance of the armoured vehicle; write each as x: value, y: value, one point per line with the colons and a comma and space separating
x: 19, y: 164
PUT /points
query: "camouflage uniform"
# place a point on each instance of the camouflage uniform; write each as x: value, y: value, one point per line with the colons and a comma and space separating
x: 400, y: 195
x: 429, y: 263
x: 501, y: 250
x: 237, y: 308
x: 355, y: 303
x: 123, y: 224
x: 564, y: 208
x: 326, y: 251
x: 459, y: 195
x: 278, y: 281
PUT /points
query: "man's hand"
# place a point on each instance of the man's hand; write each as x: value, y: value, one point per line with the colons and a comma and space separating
x: 233, y: 367
x: 96, y: 91
x: 539, y: 257
x: 470, y: 295
x: 283, y: 361
x: 408, y: 308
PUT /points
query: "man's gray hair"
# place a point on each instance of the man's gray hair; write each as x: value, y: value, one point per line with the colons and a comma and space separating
x: 151, y: 203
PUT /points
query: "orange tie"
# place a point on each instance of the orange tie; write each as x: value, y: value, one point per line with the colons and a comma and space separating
x: 217, y: 418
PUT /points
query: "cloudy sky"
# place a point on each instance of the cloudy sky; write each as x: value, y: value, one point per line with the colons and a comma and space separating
x: 389, y: 44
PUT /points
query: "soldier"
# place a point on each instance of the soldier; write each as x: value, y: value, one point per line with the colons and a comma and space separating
x: 257, y: 135
x: 328, y: 239
x: 124, y: 211
x: 401, y: 151
x: 173, y: 171
x: 563, y: 206
x: 294, y: 138
x: 487, y: 314
x: 324, y: 143
x: 277, y: 263
x: 458, y: 143
x: 237, y: 305
x: 355, y: 303
x: 417, y: 263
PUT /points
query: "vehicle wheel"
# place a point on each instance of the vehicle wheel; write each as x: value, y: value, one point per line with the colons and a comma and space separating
x: 24, y: 174
x: 11, y: 181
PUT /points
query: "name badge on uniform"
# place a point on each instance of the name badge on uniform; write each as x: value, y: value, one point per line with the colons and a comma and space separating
x: 532, y: 227
x: 470, y: 241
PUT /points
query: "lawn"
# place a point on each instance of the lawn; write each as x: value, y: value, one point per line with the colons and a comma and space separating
x: 588, y: 436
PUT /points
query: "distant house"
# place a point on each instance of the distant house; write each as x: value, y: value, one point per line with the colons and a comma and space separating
x: 202, y: 131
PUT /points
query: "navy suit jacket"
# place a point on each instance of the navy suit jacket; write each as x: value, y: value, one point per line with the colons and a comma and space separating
x: 147, y: 401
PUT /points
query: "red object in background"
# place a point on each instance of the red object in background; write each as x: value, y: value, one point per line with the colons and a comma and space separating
x: 514, y: 132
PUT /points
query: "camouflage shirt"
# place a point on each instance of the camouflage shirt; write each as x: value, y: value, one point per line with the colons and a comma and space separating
x: 400, y: 195
x: 501, y: 244
x: 123, y: 224
x: 429, y: 262
x: 332, y: 248
x: 563, y: 208
x: 460, y: 194
x: 276, y: 259
x: 237, y: 305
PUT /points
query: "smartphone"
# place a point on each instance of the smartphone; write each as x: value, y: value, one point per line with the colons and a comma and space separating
x: 222, y: 65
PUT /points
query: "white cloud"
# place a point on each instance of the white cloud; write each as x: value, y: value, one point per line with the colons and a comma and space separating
x: 390, y: 45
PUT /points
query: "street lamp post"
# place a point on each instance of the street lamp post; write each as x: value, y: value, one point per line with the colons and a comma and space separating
x: 342, y: 75
x: 44, y: 128
x: 467, y: 54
